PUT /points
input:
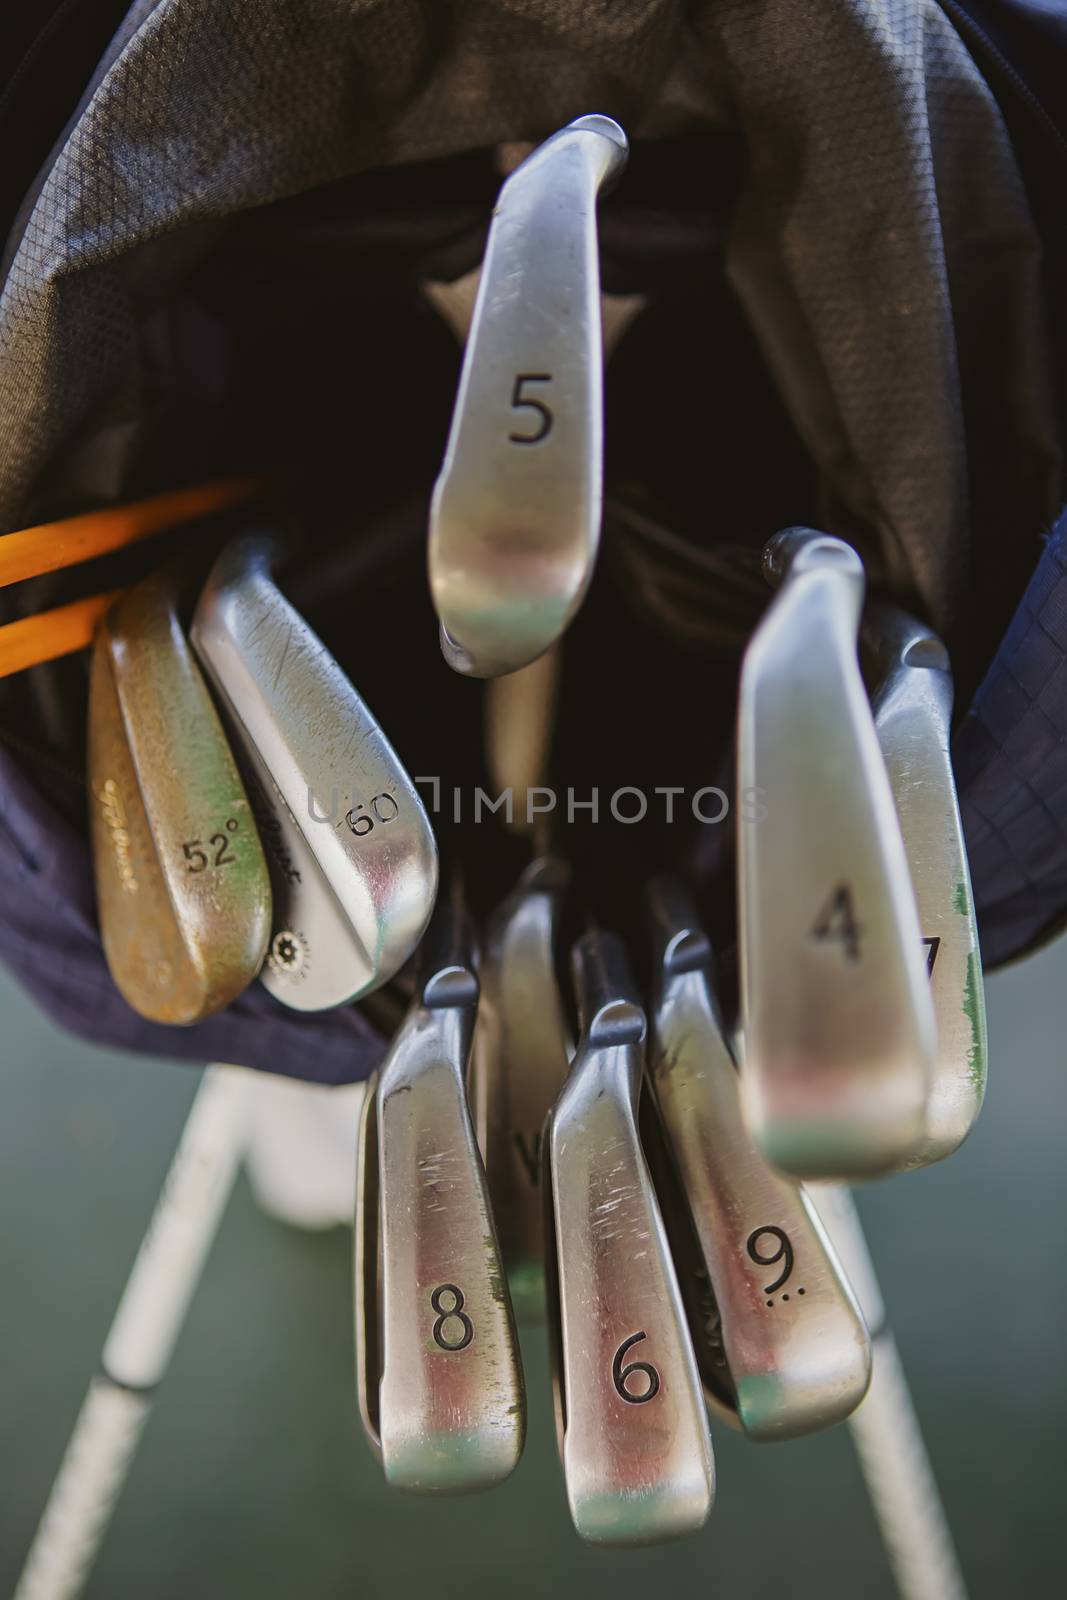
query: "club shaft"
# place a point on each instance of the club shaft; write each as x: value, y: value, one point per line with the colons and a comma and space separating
x: 141, y: 1341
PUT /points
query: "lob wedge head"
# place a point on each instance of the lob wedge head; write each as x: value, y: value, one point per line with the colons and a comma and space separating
x: 912, y: 714
x: 441, y: 1391
x: 515, y: 519
x: 634, y: 1438
x: 181, y: 881
x: 795, y: 1344
x: 836, y: 1009
x: 351, y: 852
x: 520, y: 1062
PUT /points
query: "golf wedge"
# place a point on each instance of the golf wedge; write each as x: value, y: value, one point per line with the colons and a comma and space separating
x: 352, y: 855
x: 181, y: 882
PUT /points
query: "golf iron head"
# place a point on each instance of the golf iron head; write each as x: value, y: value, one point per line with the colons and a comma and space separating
x: 181, y: 882
x: 520, y: 1062
x: 838, y: 1020
x: 632, y: 1422
x: 793, y: 1339
x: 912, y: 715
x: 515, y: 519
x: 351, y: 852
x: 440, y: 1385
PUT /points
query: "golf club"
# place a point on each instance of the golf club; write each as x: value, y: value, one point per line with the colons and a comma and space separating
x: 838, y: 1020
x: 440, y: 1385
x: 794, y: 1342
x: 182, y: 886
x: 912, y: 715
x: 515, y: 518
x: 632, y: 1423
x: 351, y: 852
x: 519, y: 1065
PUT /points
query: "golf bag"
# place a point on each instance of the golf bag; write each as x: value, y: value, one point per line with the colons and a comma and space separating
x: 843, y: 236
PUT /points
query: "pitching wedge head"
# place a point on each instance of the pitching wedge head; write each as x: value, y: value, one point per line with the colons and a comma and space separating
x: 912, y: 715
x: 794, y: 1342
x: 181, y: 882
x: 839, y: 1025
x: 520, y: 1062
x: 351, y: 852
x: 440, y: 1381
x: 515, y: 519
x: 634, y: 1435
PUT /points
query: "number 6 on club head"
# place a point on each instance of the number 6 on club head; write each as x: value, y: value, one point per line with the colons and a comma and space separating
x: 634, y: 1435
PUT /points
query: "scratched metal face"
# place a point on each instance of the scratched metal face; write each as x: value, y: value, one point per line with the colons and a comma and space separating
x: 636, y: 1451
x: 521, y: 1058
x: 913, y: 712
x: 182, y: 887
x: 351, y: 852
x: 838, y: 1021
x: 515, y: 519
x: 437, y: 1353
x: 795, y: 1345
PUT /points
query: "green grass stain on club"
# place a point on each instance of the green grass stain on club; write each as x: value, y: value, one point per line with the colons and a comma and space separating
x: 497, y: 1283
x: 974, y: 1009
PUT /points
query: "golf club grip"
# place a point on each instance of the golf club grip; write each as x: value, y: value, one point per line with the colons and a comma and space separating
x: 51, y: 546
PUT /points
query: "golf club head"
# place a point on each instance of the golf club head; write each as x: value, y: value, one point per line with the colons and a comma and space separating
x: 515, y: 519
x: 182, y: 886
x: 913, y: 714
x: 791, y: 1333
x: 634, y: 1438
x: 437, y: 1355
x: 368, y: 1277
x: 351, y: 852
x: 838, y: 1020
x: 520, y: 1063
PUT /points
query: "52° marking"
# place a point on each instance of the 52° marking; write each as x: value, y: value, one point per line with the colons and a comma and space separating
x: 197, y: 858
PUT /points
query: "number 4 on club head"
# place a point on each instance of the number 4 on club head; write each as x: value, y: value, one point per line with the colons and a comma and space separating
x: 839, y: 1026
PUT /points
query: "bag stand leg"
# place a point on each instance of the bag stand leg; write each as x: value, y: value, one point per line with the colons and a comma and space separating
x: 141, y: 1341
x: 886, y: 1434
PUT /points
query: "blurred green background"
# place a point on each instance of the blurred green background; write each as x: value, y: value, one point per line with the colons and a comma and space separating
x: 254, y: 1480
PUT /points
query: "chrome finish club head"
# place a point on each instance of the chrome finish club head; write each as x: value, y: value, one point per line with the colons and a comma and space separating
x: 437, y: 1359
x: 792, y: 1335
x: 181, y: 883
x: 913, y: 714
x: 838, y: 1021
x: 633, y: 1427
x: 515, y: 519
x: 351, y: 852
x: 520, y: 1063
